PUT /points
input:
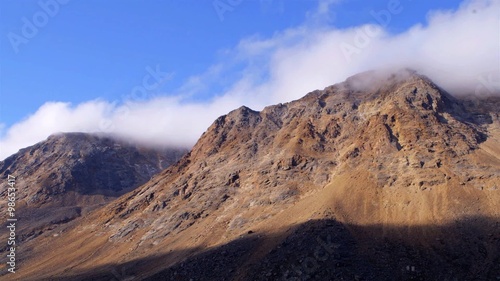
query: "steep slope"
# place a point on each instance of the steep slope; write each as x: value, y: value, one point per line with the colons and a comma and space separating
x: 71, y: 173
x: 397, y: 175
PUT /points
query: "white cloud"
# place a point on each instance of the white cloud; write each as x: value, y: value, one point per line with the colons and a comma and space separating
x: 459, y: 50
x: 53, y: 117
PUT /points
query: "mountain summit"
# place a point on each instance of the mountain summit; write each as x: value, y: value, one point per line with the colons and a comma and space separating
x: 69, y: 174
x: 381, y: 177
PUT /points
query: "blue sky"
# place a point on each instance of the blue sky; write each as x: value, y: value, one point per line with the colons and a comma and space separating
x: 102, y: 50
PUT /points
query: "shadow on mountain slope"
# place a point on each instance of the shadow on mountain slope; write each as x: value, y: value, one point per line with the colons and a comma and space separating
x: 468, y: 249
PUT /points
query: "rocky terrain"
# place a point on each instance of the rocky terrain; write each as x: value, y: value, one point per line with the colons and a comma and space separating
x: 376, y: 178
x: 69, y: 174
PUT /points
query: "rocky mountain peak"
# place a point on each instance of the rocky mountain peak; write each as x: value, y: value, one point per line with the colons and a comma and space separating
x: 68, y: 174
x: 360, y: 122
x: 381, y: 168
x: 87, y: 163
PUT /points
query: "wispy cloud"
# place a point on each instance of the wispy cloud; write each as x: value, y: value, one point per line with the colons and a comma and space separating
x: 458, y: 49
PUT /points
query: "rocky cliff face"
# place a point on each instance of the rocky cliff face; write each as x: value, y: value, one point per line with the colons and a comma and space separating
x: 376, y: 178
x: 397, y: 133
x: 70, y: 173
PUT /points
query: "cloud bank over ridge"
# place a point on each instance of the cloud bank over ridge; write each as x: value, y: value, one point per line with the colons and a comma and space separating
x: 459, y: 50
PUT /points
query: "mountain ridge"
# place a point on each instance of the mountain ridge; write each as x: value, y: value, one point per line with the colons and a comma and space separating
x: 69, y: 174
x: 401, y: 153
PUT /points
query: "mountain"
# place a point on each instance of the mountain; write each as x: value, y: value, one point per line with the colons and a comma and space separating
x: 381, y: 177
x: 69, y: 174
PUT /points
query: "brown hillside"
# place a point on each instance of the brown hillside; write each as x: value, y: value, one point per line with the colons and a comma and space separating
x: 69, y: 174
x: 385, y: 179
